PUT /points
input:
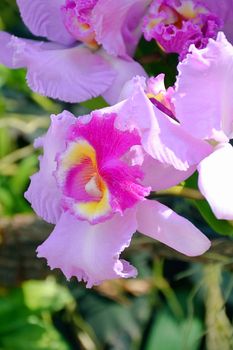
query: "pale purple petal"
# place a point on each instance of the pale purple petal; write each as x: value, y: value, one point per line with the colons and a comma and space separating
x: 90, y: 252
x: 162, y: 137
x: 224, y: 10
x: 6, y: 52
x: 125, y: 70
x: 160, y: 176
x: 117, y: 25
x: 163, y: 224
x: 69, y: 74
x: 43, y: 192
x: 203, y: 99
x: 227, y: 27
x: 136, y: 83
x: 44, y: 18
x: 216, y: 181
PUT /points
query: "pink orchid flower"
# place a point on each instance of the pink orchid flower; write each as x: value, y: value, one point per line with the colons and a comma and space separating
x: 92, y: 184
x: 175, y: 25
x: 204, y: 106
x: 89, y: 46
x: 147, y: 107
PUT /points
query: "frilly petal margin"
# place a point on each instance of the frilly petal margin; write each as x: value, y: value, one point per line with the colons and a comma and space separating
x: 203, y: 97
x: 216, y: 181
x: 163, y: 224
x: 70, y: 74
x: 90, y: 252
x: 44, y: 19
x: 43, y: 193
x: 6, y: 52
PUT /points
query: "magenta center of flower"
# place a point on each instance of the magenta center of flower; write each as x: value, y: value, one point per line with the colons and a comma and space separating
x: 177, y: 24
x: 91, y: 174
x: 77, y: 20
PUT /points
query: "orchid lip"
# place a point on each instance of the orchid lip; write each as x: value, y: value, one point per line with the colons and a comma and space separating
x: 95, y: 182
x: 77, y: 20
x: 174, y: 27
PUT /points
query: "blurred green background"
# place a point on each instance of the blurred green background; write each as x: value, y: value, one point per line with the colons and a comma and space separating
x: 175, y: 303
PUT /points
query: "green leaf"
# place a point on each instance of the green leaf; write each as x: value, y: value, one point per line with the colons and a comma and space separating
x: 5, y: 142
x: 118, y: 326
x: 17, y: 82
x: 23, y: 326
x: 45, y: 295
x: 34, y: 334
x: 47, y: 104
x: 94, y: 103
x: 26, y: 168
x: 222, y: 227
x: 169, y: 334
x: 6, y: 200
x: 12, y: 311
x: 4, y: 72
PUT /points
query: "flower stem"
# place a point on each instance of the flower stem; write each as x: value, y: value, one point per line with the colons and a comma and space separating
x: 178, y: 191
x: 219, y: 329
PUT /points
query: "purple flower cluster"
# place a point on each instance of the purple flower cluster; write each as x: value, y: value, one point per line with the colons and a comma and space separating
x: 97, y: 171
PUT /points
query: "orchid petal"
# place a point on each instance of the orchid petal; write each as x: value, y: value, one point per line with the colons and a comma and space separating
x: 162, y: 137
x: 43, y: 192
x: 224, y: 10
x: 69, y: 74
x: 216, y: 181
x: 119, y: 20
x: 90, y: 252
x: 160, y: 176
x: 203, y: 100
x: 125, y: 70
x: 6, y: 52
x: 44, y: 19
x: 163, y: 224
